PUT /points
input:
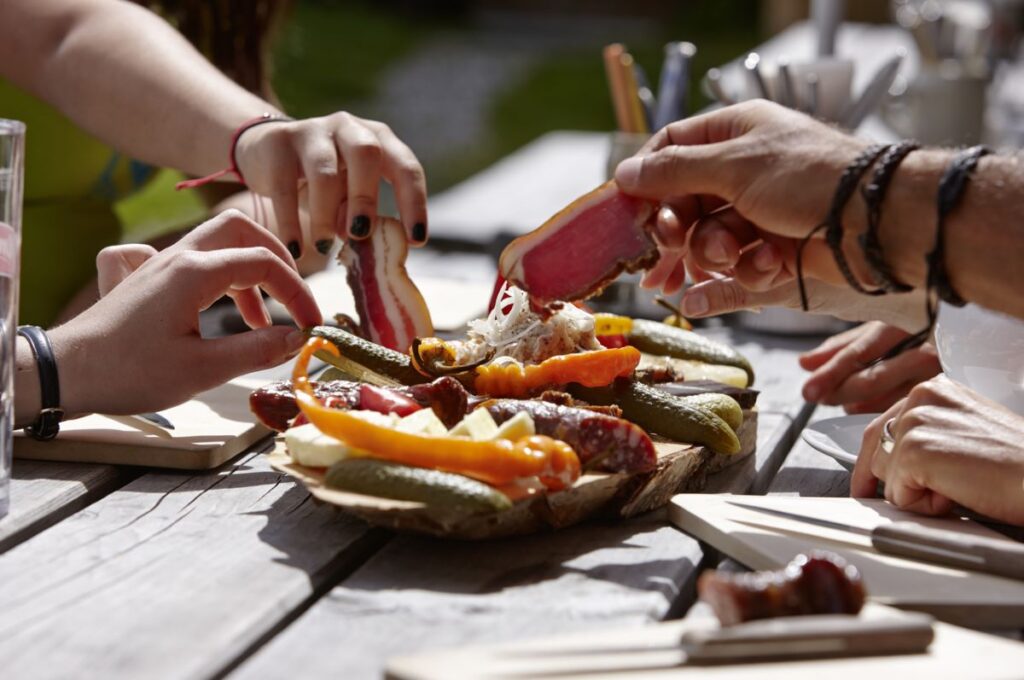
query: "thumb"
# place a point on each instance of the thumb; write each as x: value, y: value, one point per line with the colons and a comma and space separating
x: 720, y: 296
x: 675, y: 171
x: 255, y: 350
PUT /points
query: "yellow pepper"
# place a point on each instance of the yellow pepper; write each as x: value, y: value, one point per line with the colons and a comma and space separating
x: 495, y: 462
x: 590, y: 369
x: 610, y: 324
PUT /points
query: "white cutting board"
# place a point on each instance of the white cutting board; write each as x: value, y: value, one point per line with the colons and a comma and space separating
x: 208, y: 430
x: 966, y: 598
x: 956, y: 653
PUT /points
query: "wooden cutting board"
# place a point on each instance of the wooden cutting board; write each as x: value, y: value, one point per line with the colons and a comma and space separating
x: 955, y: 653
x: 761, y: 541
x: 208, y: 430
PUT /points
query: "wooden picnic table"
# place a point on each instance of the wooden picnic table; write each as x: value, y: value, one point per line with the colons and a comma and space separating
x: 140, y: 573
x: 128, y: 573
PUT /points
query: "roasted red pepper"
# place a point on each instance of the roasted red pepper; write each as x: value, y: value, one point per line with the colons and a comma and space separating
x: 495, y: 462
x: 613, y: 341
x: 375, y: 399
x: 590, y: 369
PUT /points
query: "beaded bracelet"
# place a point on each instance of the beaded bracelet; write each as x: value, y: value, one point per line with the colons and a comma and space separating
x: 833, y: 223
x: 874, y: 193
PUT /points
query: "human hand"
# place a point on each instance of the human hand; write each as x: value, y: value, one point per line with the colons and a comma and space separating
x: 840, y: 374
x: 749, y: 172
x: 339, y: 160
x: 139, y: 348
x: 952, y: 446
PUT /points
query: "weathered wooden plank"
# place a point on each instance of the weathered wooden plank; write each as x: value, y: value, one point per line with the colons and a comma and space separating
x: 43, y: 494
x: 173, y: 576
x: 807, y: 472
x: 420, y: 593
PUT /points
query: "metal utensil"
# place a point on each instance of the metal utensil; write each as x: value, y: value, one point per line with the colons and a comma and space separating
x: 787, y: 95
x: 813, y: 96
x: 674, y: 83
x: 712, y: 86
x: 146, y: 425
x: 872, y: 94
x: 753, y: 66
x: 827, y: 16
x: 791, y: 637
x: 1002, y: 557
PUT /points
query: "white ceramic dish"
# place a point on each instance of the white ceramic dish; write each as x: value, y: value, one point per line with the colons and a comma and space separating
x: 838, y: 438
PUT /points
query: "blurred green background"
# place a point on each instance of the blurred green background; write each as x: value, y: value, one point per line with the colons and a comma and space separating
x: 465, y: 83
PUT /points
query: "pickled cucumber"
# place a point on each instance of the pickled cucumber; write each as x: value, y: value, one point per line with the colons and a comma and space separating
x: 658, y: 338
x: 722, y: 405
x: 444, y: 490
x: 664, y: 414
x: 358, y: 353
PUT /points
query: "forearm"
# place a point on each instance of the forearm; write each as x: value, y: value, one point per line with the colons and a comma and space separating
x: 27, y: 399
x: 124, y: 75
x: 984, y: 234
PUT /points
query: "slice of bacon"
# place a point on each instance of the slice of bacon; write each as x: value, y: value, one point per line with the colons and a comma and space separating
x: 580, y: 250
x: 391, y: 308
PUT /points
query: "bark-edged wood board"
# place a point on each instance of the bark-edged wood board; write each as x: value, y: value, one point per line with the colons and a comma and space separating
x: 761, y: 541
x: 680, y: 468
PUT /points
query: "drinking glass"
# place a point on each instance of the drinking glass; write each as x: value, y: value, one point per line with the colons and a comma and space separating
x: 12, y: 159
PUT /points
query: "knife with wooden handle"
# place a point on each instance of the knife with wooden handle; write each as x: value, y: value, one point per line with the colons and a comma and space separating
x: 801, y: 637
x: 999, y: 556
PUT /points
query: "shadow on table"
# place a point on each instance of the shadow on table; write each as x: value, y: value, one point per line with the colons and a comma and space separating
x: 811, y: 482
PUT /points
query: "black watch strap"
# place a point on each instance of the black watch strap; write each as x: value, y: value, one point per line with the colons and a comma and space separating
x: 47, y: 425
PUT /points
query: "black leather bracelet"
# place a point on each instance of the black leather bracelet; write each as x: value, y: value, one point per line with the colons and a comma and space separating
x: 833, y: 223
x: 873, y: 194
x: 47, y: 424
x: 951, y: 188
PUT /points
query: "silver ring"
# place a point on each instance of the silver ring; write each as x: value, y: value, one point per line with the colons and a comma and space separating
x: 888, y: 440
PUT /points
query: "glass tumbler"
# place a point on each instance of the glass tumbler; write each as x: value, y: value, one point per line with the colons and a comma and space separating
x: 12, y: 161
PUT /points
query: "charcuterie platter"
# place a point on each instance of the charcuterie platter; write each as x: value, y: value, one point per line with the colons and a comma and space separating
x: 544, y: 414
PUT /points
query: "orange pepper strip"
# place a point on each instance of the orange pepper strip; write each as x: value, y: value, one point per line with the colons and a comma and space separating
x: 590, y: 369
x: 494, y: 462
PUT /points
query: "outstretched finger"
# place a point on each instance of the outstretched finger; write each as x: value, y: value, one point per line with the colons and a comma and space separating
x: 721, y: 296
x: 406, y: 175
x: 233, y: 229
x: 364, y: 161
x: 320, y: 167
x: 864, y: 479
x: 222, y: 359
x: 814, y: 358
x: 236, y: 269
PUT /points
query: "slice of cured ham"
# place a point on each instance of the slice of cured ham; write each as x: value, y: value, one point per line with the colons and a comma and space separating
x: 580, y: 250
x: 391, y: 308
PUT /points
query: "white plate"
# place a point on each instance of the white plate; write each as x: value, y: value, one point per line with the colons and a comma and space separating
x: 839, y: 437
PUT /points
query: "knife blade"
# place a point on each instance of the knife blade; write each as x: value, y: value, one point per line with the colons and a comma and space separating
x: 999, y: 556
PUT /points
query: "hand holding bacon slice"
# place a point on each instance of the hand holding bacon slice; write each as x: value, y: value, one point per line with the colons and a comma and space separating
x: 580, y: 250
x: 392, y: 311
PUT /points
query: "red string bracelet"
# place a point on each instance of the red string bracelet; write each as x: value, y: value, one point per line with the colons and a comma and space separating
x: 233, y: 167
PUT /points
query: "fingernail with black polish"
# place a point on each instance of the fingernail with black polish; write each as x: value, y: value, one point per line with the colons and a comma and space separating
x: 323, y: 245
x: 360, y: 226
x: 293, y: 248
x: 419, y: 232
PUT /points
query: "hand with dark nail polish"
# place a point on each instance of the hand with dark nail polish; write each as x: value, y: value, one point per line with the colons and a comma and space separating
x: 324, y: 245
x: 293, y: 248
x: 360, y: 227
x: 419, y: 232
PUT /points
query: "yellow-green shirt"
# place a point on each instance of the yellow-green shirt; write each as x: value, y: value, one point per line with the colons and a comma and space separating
x: 71, y: 183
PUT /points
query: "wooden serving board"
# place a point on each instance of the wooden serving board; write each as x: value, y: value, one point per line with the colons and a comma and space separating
x: 208, y: 430
x: 761, y: 541
x: 681, y: 467
x: 647, y: 652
